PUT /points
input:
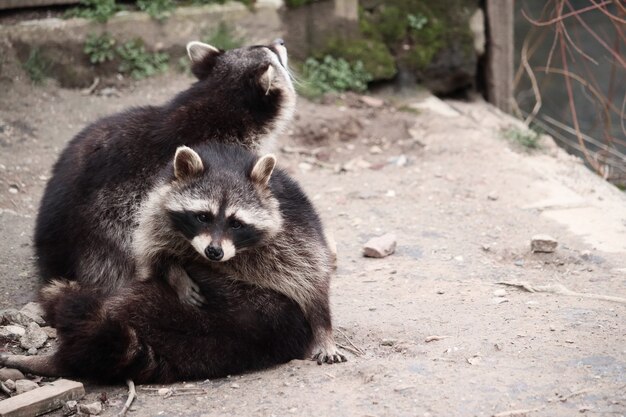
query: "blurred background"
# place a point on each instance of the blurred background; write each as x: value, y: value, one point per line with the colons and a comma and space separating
x: 558, y: 65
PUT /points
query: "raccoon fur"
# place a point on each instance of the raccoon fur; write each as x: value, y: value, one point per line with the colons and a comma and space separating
x: 87, y: 216
x: 251, y: 240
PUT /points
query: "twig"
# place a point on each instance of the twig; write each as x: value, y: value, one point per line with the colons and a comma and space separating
x: 561, y: 290
x: 517, y: 413
x: 361, y: 351
x: 349, y: 349
x: 92, y: 87
x: 131, y: 397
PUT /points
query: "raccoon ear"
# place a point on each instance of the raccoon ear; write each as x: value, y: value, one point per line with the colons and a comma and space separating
x: 202, y: 58
x: 187, y: 163
x: 267, y: 78
x: 262, y: 170
x: 197, y: 51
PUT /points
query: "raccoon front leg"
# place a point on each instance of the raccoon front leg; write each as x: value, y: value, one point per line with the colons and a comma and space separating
x: 324, y: 348
x: 186, y: 288
x: 36, y: 365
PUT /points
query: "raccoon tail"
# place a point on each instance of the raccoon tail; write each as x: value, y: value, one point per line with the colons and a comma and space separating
x: 95, y: 341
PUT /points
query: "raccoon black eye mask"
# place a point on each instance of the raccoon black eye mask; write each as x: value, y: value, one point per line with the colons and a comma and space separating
x: 266, y: 305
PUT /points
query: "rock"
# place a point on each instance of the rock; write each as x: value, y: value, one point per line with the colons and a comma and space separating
x: 499, y: 293
x: 164, y: 391
x: 50, y: 331
x: 25, y: 385
x: 34, y: 312
x: 34, y: 337
x: 10, y: 373
x: 376, y: 150
x: 93, y: 409
x: 492, y: 196
x: 543, y: 243
x: 388, y: 342
x: 32, y: 351
x: 10, y: 384
x: 11, y: 332
x: 234, y: 385
x: 69, y: 408
x: 371, y: 101
x: 379, y: 247
x: 12, y: 316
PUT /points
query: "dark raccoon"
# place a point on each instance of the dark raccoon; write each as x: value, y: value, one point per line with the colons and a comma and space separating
x: 143, y: 332
x: 87, y: 214
x: 252, y: 241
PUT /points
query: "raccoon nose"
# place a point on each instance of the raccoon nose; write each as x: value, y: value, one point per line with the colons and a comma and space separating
x: 214, y: 253
x: 279, y: 41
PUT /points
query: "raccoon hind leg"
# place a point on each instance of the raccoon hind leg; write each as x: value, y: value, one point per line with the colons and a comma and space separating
x: 37, y: 365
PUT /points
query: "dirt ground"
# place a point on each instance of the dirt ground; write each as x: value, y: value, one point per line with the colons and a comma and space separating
x: 463, y: 203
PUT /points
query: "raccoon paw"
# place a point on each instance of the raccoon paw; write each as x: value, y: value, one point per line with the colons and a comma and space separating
x: 329, y: 355
x: 191, y: 295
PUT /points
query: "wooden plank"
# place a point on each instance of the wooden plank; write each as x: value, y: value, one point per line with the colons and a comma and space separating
x: 42, y: 400
x: 500, y: 54
x: 19, y: 4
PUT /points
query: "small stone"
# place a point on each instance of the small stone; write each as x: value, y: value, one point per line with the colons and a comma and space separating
x: 234, y: 385
x: 50, y: 331
x: 499, y: 293
x: 519, y: 262
x: 486, y: 247
x: 305, y: 166
x: 543, y: 243
x: 12, y: 332
x: 34, y: 337
x: 12, y: 316
x: 10, y: 384
x: 69, y: 408
x: 586, y: 255
x: 25, y: 385
x: 13, y: 189
x: 388, y: 342
x: 440, y: 292
x: 379, y: 247
x: 458, y: 259
x: 32, y: 351
x: 371, y: 101
x: 10, y: 373
x: 163, y: 391
x: 492, y: 196
x: 35, y: 312
x: 390, y: 193
x: 376, y: 150
x: 399, y: 161
x: 93, y: 409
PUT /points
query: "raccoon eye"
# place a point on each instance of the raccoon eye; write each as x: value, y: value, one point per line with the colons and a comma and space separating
x: 203, y: 218
x: 235, y: 224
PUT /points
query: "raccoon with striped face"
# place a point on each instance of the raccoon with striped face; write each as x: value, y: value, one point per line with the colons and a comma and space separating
x: 253, y: 243
x: 246, y: 220
x: 243, y: 96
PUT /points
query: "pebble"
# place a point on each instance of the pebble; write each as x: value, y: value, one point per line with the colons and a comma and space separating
x: 34, y: 337
x: 50, y: 331
x: 25, y: 385
x: 12, y: 332
x: 10, y: 373
x: 543, y: 243
x: 163, y: 391
x: 34, y: 312
x: 32, y: 351
x: 93, y: 409
x: 499, y: 293
x: 376, y: 149
x: 371, y: 101
x: 234, y: 385
x: 10, y: 384
x: 379, y: 247
x: 12, y: 316
x: 70, y: 407
x: 399, y: 161
x: 388, y: 342
x: 492, y: 196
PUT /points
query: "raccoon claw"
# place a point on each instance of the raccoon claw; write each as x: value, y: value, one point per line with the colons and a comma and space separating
x: 324, y: 356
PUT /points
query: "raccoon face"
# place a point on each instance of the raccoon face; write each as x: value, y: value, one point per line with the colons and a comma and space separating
x: 222, y: 210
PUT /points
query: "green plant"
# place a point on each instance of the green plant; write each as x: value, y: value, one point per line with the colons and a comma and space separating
x: 36, y: 66
x: 417, y: 22
x: 223, y: 38
x: 527, y: 138
x: 99, y: 10
x: 100, y: 48
x: 333, y: 75
x: 140, y: 63
x: 157, y: 9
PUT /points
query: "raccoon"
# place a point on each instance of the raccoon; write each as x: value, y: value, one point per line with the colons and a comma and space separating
x: 248, y: 236
x: 87, y: 216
